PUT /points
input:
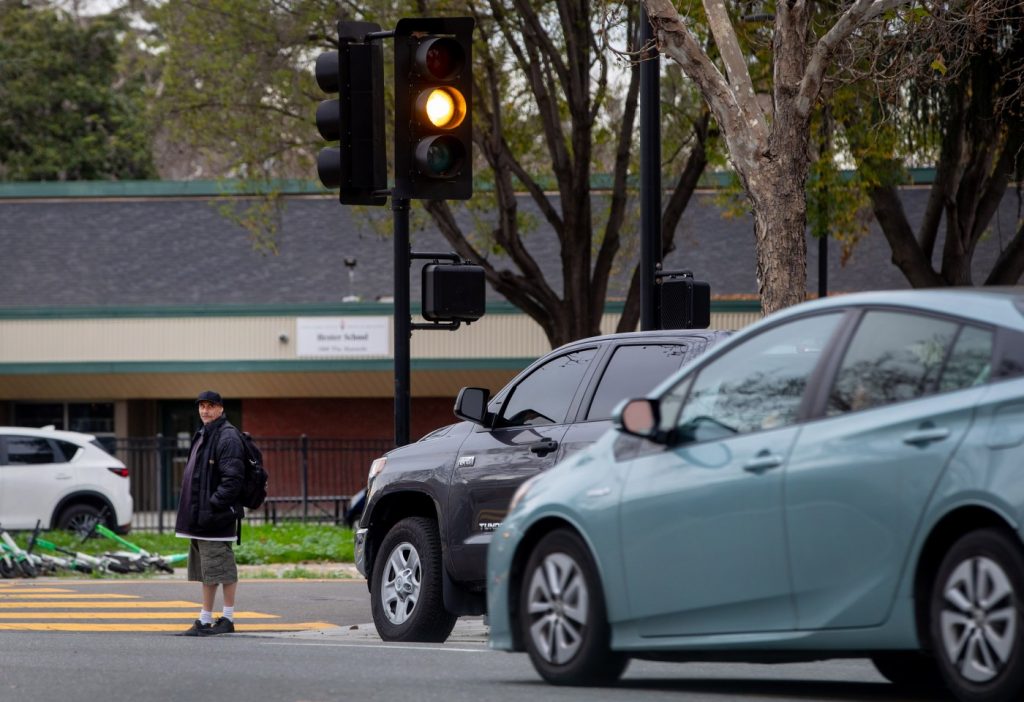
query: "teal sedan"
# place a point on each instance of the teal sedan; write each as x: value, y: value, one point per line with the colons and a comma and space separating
x: 843, y: 478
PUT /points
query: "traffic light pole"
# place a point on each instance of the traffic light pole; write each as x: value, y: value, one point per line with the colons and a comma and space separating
x: 650, y: 173
x: 403, y: 319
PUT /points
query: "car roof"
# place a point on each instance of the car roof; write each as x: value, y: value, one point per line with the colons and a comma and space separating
x: 995, y: 305
x: 651, y: 335
x: 72, y: 436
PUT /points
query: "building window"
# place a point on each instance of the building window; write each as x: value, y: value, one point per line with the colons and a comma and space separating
x: 87, y: 417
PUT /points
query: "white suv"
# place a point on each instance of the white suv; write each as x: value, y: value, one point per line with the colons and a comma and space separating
x: 63, y: 479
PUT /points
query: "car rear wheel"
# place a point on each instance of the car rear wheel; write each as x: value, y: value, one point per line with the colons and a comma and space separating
x: 976, y: 621
x: 79, y: 518
x: 562, y: 615
x: 406, y: 597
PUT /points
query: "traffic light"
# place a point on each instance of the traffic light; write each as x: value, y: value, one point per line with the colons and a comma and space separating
x: 358, y: 165
x: 683, y: 303
x: 433, y: 108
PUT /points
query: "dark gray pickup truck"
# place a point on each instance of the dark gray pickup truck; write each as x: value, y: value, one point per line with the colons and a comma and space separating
x: 433, y: 505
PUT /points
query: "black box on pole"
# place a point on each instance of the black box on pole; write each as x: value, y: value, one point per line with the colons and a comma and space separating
x: 453, y: 292
x: 683, y: 303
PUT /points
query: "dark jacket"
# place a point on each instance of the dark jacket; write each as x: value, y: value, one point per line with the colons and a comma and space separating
x: 210, y: 505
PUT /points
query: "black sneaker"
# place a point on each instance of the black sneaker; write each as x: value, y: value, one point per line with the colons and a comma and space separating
x: 197, y: 629
x: 223, y: 625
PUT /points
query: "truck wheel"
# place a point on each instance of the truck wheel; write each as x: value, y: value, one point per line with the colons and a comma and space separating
x: 79, y: 519
x: 976, y: 618
x: 562, y: 614
x: 406, y: 598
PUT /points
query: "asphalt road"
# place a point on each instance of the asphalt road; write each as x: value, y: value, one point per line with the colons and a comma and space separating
x: 312, y: 643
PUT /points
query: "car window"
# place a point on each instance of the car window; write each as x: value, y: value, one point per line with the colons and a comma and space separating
x: 753, y: 386
x: 893, y: 357
x: 633, y: 371
x: 26, y: 450
x: 68, y: 449
x: 543, y: 397
x: 970, y: 362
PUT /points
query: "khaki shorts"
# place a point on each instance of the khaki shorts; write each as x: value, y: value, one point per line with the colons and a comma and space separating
x: 211, y: 562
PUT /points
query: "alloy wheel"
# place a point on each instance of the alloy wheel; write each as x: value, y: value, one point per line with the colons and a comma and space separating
x: 401, y: 584
x: 978, y: 621
x: 558, y: 602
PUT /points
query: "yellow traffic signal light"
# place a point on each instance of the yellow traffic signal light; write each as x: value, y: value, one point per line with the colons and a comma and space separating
x: 433, y: 108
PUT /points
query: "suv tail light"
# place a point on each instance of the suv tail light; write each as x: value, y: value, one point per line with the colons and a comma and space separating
x: 123, y: 472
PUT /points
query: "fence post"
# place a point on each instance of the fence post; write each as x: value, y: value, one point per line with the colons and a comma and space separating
x: 158, y: 454
x: 304, y: 443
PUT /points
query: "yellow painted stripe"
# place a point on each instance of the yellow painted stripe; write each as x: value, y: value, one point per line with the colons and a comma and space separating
x: 123, y: 615
x: 70, y: 596
x: 62, y: 626
x: 98, y: 605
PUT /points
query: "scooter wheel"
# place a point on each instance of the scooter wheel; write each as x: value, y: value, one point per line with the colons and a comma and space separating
x: 7, y: 569
x: 28, y: 570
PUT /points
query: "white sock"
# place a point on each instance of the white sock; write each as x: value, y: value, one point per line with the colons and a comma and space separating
x: 228, y: 613
x: 205, y: 616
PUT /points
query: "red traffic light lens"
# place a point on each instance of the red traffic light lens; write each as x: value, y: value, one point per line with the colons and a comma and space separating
x: 440, y: 58
x: 440, y: 156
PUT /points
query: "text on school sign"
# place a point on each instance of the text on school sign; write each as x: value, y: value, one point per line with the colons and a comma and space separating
x: 341, y: 336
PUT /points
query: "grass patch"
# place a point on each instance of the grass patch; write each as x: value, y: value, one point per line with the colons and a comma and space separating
x: 262, y: 544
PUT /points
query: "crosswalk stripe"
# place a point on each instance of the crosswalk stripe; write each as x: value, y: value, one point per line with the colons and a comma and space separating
x: 68, y: 595
x: 61, y: 626
x: 78, y: 604
x: 49, y: 608
x: 123, y: 615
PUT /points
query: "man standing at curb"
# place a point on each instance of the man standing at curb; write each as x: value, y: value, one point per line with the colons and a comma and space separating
x: 209, y: 512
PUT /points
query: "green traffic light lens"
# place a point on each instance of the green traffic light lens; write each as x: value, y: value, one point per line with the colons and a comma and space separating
x: 440, y: 156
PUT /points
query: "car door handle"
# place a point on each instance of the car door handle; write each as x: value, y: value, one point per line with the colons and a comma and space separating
x: 63, y: 476
x: 764, y: 461
x: 925, y: 436
x: 544, y: 446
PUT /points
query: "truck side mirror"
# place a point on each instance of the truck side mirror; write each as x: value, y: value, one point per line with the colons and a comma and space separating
x: 471, y: 405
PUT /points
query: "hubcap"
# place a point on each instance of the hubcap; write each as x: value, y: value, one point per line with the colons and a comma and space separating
x: 400, y: 586
x: 978, y: 619
x: 557, y: 603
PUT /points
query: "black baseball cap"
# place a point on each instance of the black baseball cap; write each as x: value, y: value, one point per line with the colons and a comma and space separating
x: 210, y: 396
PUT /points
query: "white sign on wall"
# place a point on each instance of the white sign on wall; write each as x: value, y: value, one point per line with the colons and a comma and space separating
x: 341, y: 336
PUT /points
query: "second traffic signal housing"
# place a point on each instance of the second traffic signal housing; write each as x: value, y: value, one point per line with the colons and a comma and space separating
x: 433, y: 108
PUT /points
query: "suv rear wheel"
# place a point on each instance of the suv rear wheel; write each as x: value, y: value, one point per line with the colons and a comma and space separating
x: 406, y: 599
x: 78, y: 518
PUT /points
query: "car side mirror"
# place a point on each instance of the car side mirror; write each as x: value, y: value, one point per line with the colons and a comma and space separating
x: 471, y: 405
x: 640, y: 417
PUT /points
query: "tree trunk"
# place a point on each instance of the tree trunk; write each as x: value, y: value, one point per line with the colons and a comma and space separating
x: 777, y: 189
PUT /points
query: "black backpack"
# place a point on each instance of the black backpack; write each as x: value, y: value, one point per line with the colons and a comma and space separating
x: 254, y: 486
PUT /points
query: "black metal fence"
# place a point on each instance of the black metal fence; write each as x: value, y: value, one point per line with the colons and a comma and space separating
x: 310, y: 479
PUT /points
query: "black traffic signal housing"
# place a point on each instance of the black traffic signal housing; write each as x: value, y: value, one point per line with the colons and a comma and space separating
x: 433, y: 108
x: 453, y: 292
x: 358, y: 165
x: 683, y: 303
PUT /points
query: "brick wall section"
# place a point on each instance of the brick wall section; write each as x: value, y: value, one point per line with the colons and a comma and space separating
x: 347, y: 418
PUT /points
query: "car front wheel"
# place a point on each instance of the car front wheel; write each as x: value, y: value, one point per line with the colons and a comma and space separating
x: 976, y: 620
x: 562, y: 614
x: 406, y: 598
